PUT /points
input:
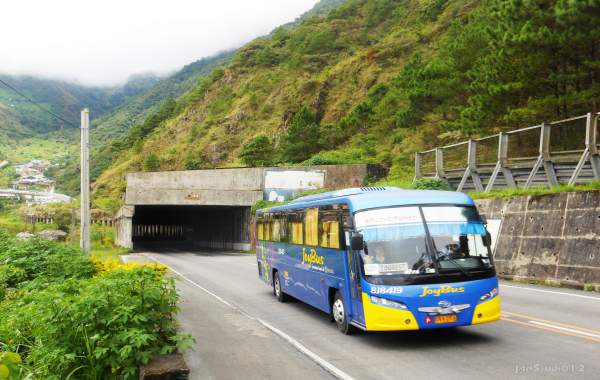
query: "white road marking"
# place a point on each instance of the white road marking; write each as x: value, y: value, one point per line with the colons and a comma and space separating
x: 551, y: 291
x: 565, y: 329
x: 330, y: 368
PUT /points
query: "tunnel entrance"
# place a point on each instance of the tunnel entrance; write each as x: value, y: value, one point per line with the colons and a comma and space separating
x: 191, y: 227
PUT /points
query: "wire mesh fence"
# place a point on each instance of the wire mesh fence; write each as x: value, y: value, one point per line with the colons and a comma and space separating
x: 560, y: 151
x: 455, y: 156
x: 428, y: 163
x: 568, y: 136
x: 487, y: 150
x: 523, y: 144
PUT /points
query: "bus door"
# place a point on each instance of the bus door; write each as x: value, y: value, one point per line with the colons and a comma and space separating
x: 353, y: 262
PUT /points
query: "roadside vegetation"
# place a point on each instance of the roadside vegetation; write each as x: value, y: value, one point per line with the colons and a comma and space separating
x: 64, y: 315
x: 102, y: 237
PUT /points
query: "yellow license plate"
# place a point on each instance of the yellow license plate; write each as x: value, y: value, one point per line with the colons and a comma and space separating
x: 445, y: 318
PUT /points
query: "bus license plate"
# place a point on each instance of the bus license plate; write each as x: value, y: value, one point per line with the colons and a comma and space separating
x: 445, y: 318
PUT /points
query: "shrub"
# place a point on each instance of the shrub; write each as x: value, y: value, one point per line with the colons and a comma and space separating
x: 258, y: 152
x: 194, y: 161
x: 151, y: 163
x: 67, y: 316
x: 102, y: 328
x: 318, y: 159
x: 431, y: 184
x: 41, y: 260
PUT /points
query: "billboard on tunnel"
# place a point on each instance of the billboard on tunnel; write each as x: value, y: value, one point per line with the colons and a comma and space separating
x: 281, y: 185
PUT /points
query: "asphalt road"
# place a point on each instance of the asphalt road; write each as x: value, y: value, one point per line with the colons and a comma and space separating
x: 243, y: 332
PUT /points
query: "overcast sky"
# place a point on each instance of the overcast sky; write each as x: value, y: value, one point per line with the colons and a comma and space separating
x: 102, y: 42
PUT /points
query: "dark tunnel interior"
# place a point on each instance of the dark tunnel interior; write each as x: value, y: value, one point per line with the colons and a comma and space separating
x: 192, y: 227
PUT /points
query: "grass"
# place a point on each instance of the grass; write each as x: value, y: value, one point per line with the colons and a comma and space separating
x: 401, y: 183
x: 537, y: 191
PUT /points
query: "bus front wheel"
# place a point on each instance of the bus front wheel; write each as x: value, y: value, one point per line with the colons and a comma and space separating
x: 338, y: 312
x: 281, y: 296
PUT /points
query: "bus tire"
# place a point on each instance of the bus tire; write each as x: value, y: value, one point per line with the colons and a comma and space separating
x: 338, y: 312
x: 277, y: 290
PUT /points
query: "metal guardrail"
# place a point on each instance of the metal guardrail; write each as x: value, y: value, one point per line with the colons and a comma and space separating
x: 564, y: 151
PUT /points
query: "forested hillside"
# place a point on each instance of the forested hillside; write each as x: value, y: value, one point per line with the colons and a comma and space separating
x: 373, y: 81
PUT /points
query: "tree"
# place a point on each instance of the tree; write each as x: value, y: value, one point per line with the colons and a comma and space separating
x: 258, y: 152
x: 151, y: 163
x: 301, y: 139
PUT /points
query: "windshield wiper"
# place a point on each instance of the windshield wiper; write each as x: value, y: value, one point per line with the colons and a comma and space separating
x: 457, y: 265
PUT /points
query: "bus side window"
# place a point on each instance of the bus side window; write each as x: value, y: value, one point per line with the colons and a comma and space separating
x: 278, y: 228
x: 297, y: 232
x: 284, y: 230
x: 311, y: 220
x: 329, y: 228
x: 275, y: 230
x: 260, y: 235
x: 295, y: 227
x: 267, y: 230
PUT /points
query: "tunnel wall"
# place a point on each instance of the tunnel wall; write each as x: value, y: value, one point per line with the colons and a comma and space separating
x: 551, y: 238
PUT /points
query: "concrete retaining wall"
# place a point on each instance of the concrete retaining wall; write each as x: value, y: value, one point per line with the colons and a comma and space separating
x: 554, y: 238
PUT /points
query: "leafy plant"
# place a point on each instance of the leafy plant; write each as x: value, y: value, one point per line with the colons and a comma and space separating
x: 431, y: 184
x: 69, y: 317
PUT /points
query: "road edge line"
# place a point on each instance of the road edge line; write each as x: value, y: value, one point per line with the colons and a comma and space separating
x: 324, y: 364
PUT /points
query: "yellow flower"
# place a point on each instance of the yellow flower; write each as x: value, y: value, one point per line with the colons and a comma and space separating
x: 4, y: 371
x: 12, y: 357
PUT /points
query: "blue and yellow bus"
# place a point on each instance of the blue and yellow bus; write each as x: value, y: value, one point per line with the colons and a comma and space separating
x: 382, y: 258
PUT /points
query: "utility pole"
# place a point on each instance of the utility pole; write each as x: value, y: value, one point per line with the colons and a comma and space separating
x: 85, y: 181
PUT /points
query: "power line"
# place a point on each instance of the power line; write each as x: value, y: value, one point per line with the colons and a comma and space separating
x: 37, y: 104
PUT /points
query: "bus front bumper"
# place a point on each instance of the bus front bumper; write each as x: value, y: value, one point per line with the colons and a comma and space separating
x: 381, y: 318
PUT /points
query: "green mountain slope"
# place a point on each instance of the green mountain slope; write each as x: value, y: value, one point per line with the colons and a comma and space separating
x: 64, y: 99
x: 112, y: 125
x: 137, y: 108
x: 10, y: 126
x: 373, y: 81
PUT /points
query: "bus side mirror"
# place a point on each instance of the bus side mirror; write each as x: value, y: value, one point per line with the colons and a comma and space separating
x: 357, y: 242
x: 487, y: 239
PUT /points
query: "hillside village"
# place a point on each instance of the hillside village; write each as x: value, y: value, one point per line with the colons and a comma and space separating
x: 32, y: 186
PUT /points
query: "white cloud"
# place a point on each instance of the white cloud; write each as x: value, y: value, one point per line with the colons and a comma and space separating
x: 104, y: 42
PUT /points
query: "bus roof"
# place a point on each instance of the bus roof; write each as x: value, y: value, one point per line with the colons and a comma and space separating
x: 373, y: 197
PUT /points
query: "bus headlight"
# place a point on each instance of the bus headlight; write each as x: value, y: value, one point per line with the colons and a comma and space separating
x: 489, y: 295
x: 388, y: 303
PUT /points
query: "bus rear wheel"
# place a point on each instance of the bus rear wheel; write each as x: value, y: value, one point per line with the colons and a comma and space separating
x: 281, y: 296
x: 338, y: 312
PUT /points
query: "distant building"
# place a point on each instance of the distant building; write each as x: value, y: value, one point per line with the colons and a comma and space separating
x: 32, y: 176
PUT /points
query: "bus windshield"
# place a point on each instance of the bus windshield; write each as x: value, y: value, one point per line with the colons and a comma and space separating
x: 421, y: 240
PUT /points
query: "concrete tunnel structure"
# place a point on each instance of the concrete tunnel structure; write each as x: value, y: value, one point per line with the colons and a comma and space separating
x: 210, y: 209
